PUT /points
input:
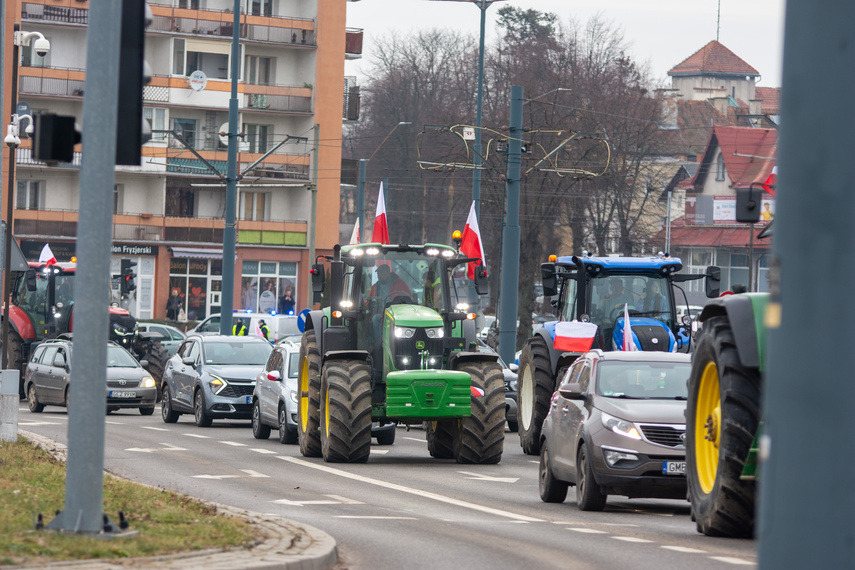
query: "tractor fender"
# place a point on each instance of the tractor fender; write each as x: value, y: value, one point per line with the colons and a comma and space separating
x: 316, y: 320
x: 743, y: 311
x: 557, y: 358
x: 20, y: 323
x: 344, y: 355
x: 459, y: 357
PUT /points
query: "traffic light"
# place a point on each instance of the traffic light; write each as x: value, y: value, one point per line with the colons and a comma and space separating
x: 134, y: 74
x: 128, y: 278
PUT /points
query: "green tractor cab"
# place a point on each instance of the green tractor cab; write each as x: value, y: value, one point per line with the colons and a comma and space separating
x: 396, y: 344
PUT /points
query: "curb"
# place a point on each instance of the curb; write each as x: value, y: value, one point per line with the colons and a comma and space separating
x: 288, y: 544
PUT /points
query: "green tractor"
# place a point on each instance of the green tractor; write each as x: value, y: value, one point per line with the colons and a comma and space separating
x: 723, y: 413
x: 395, y: 345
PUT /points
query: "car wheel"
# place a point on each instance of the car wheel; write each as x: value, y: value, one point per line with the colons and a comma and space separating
x: 285, y: 435
x: 147, y: 411
x: 202, y: 417
x: 513, y: 427
x: 33, y: 400
x: 259, y: 430
x: 68, y: 398
x: 169, y: 415
x: 589, y: 495
x: 551, y: 489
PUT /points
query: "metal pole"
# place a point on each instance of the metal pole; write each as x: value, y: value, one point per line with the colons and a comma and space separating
x: 360, y: 199
x: 476, y: 172
x: 315, y: 151
x: 668, y: 225
x: 229, y: 234
x: 84, y: 485
x: 511, y: 234
x: 751, y: 259
x: 10, y: 203
x: 806, y: 474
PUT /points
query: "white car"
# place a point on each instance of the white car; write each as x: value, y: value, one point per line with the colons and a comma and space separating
x: 274, y: 400
x: 281, y: 326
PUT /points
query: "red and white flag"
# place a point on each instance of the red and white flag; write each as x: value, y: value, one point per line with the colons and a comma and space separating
x: 46, y: 256
x: 471, y: 244
x: 354, y: 237
x: 574, y: 336
x: 380, y: 233
x: 628, y: 342
x: 769, y: 183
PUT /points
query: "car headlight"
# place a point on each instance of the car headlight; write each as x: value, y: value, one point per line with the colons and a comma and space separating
x: 147, y: 382
x: 217, y: 384
x: 437, y: 332
x: 513, y: 385
x: 294, y: 396
x: 404, y: 332
x: 621, y: 427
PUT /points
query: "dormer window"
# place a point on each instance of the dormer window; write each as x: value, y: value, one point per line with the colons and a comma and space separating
x: 719, y: 167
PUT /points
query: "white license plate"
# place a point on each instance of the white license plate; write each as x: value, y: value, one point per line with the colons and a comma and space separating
x: 119, y: 394
x: 674, y: 467
x: 249, y: 399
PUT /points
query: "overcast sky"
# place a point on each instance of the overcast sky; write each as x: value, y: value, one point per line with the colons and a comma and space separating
x: 661, y: 32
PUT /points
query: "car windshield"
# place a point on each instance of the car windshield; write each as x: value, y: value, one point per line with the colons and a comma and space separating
x: 643, y: 380
x: 236, y: 352
x: 118, y: 357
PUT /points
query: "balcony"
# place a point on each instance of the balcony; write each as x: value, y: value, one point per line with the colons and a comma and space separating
x: 61, y: 14
x: 353, y: 43
x: 351, y: 99
x: 51, y: 82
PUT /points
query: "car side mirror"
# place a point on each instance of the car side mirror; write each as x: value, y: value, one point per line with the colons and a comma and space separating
x: 144, y: 363
x: 189, y: 361
x: 571, y: 391
x: 481, y: 282
x: 712, y: 281
x: 274, y: 375
x: 318, y: 277
x: 548, y: 279
x: 513, y: 367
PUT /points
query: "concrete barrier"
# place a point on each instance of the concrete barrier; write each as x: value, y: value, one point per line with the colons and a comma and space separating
x: 9, y: 399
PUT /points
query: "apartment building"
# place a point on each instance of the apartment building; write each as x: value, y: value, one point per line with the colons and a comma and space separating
x: 169, y: 211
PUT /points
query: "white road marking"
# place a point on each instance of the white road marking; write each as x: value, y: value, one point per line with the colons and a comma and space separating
x: 38, y: 423
x: 729, y: 560
x: 252, y: 473
x: 168, y: 447
x: 481, y: 477
x: 155, y: 428
x: 262, y: 450
x: 234, y: 443
x: 379, y: 451
x: 618, y: 524
x: 114, y: 423
x: 533, y: 461
x: 631, y: 539
x: 218, y: 477
x: 415, y: 439
x: 345, y: 500
x: 587, y: 530
x: 197, y: 435
x: 304, y: 503
x: 378, y: 518
x: 410, y: 490
x: 685, y: 549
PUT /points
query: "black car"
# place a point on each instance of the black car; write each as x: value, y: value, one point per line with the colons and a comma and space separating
x: 213, y: 377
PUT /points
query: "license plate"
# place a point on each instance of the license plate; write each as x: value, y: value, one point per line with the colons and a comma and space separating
x: 119, y: 394
x: 249, y: 399
x: 674, y: 467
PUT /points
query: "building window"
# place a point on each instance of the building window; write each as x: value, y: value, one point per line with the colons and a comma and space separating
x: 258, y: 70
x: 31, y: 195
x: 180, y: 203
x: 187, y: 129
x: 257, y: 137
x: 719, y: 167
x: 157, y: 119
x: 209, y: 57
x: 255, y: 206
x: 118, y: 198
x: 260, y: 7
x: 264, y: 284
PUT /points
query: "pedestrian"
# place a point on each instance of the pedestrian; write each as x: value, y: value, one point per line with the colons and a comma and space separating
x: 265, y: 330
x: 239, y: 329
x: 286, y: 302
x: 173, y: 305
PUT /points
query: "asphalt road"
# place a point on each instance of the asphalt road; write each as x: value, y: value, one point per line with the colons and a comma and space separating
x: 404, y: 509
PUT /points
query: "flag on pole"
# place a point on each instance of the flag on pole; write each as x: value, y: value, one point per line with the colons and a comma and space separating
x: 354, y: 237
x: 769, y: 183
x: 46, y: 256
x: 471, y: 244
x: 628, y: 342
x: 574, y: 336
x: 380, y: 233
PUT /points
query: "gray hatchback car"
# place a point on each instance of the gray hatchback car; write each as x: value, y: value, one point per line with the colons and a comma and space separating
x: 616, y: 426
x: 213, y: 377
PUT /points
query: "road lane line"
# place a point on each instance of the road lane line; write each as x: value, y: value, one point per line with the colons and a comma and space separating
x: 255, y: 474
x: 198, y: 435
x: 263, y: 451
x: 376, y: 518
x: 234, y: 443
x: 38, y: 423
x: 379, y: 451
x: 415, y: 439
x: 480, y: 477
x: 631, y: 539
x: 685, y: 549
x: 345, y: 500
x: 410, y: 490
x: 155, y: 428
x: 587, y: 530
x: 737, y: 561
x: 114, y: 423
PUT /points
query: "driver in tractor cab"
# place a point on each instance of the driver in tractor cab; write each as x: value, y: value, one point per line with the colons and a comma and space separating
x: 385, y: 290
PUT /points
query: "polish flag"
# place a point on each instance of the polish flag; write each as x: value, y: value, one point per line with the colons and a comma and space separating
x: 354, y: 237
x: 628, y: 342
x: 46, y: 256
x: 470, y: 244
x: 380, y: 232
x: 574, y: 336
x: 257, y: 330
x: 769, y: 184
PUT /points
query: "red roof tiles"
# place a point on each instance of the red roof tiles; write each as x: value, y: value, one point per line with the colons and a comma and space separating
x: 713, y: 58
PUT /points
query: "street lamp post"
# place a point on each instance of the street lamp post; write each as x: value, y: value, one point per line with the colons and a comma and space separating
x: 41, y: 46
x: 360, y: 198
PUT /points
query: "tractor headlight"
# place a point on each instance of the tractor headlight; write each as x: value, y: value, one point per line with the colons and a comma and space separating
x: 404, y: 332
x: 462, y: 307
x: 621, y: 427
x: 437, y: 332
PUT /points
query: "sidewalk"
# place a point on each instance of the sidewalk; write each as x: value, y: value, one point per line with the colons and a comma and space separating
x: 289, y: 544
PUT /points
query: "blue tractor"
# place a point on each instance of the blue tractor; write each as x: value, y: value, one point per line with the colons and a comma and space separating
x: 602, y: 290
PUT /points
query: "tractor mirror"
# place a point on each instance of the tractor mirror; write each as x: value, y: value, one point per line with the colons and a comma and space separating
x: 712, y: 281
x: 318, y: 278
x: 548, y: 279
x: 748, y: 202
x: 31, y: 280
x: 481, y: 282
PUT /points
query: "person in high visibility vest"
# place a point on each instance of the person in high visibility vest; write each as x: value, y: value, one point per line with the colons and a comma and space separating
x: 265, y: 330
x: 239, y: 329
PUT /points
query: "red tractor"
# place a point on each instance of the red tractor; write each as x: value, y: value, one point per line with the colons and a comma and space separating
x: 43, y: 308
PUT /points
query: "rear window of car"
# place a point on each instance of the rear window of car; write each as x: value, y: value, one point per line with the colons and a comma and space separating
x: 643, y: 380
x: 237, y: 353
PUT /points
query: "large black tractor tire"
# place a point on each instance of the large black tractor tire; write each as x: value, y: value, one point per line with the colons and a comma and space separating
x: 722, y: 416
x: 346, y: 411
x: 536, y: 385
x: 482, y: 434
x: 157, y: 357
x: 309, y: 410
x: 441, y: 436
x: 15, y: 359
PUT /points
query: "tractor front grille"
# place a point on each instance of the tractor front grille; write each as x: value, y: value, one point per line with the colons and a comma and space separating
x: 408, y: 355
x: 652, y: 338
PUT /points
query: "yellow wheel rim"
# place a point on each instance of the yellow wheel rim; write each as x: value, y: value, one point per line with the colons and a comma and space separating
x: 708, y: 427
x: 327, y: 413
x: 304, y: 395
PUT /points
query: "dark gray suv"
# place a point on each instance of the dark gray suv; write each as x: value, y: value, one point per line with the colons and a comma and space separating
x: 213, y: 377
